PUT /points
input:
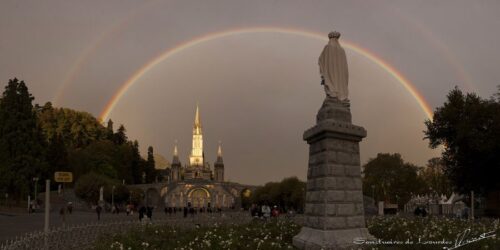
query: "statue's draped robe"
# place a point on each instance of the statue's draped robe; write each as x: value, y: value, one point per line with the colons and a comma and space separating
x: 333, y: 68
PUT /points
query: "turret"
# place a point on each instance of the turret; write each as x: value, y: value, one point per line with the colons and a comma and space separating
x: 176, y: 166
x: 219, y: 166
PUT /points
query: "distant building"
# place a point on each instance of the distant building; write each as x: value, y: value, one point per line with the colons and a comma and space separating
x: 197, y: 184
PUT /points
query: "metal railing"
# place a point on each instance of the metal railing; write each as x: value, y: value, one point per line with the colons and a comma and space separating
x: 83, y: 236
x: 437, y: 209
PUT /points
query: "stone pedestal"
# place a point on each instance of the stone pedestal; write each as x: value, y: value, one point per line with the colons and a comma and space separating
x: 334, y: 199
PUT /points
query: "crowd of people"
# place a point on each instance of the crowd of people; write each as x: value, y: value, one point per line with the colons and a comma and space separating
x: 189, y: 210
x: 147, y: 211
x: 265, y: 211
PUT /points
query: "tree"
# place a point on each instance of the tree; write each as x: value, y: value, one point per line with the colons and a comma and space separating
x: 88, y: 186
x: 292, y: 193
x: 22, y: 154
x: 78, y: 129
x: 57, y: 155
x: 120, y: 137
x: 150, y: 166
x: 120, y: 162
x: 246, y: 198
x: 434, y: 178
x: 137, y: 163
x: 100, y: 157
x: 391, y: 179
x: 288, y: 194
x: 109, y: 130
x: 37, y: 140
x: 469, y: 129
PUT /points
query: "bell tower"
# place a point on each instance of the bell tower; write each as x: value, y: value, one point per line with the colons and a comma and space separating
x: 196, y: 157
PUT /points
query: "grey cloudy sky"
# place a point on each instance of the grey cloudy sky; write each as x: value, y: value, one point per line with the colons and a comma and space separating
x: 257, y: 92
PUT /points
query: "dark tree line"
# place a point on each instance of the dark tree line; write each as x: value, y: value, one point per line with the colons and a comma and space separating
x: 22, y: 144
x: 468, y: 127
x: 290, y: 193
x: 36, y: 141
x: 390, y: 179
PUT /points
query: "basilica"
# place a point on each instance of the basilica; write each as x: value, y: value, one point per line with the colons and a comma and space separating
x: 196, y: 184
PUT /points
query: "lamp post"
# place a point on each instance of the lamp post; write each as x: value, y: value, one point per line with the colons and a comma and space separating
x: 113, y: 198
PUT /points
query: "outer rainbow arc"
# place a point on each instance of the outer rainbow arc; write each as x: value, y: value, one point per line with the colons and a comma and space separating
x: 88, y: 51
x: 212, y: 36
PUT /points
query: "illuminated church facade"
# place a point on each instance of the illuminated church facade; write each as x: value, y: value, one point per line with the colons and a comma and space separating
x: 198, y: 185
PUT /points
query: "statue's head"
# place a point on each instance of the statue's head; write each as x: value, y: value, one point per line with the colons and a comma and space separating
x: 334, y: 34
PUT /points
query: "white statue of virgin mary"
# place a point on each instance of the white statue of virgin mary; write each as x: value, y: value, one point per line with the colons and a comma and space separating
x: 333, y: 68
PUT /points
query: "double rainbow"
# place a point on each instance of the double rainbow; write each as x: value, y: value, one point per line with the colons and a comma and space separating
x: 234, y: 32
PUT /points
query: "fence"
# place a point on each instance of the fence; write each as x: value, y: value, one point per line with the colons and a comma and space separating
x: 83, y: 236
x: 437, y: 209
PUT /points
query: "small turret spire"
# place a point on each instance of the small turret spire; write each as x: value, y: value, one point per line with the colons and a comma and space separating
x: 219, y: 165
x: 219, y: 150
x: 175, y: 160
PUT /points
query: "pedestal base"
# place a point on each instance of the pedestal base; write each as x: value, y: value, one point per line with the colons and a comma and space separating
x: 312, y: 239
x: 334, y: 211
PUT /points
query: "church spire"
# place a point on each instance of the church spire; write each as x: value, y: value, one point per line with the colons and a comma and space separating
x: 197, y: 122
x: 176, y: 153
x: 196, y: 157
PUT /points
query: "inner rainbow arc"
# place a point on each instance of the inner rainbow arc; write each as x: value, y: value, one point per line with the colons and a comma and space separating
x: 213, y: 36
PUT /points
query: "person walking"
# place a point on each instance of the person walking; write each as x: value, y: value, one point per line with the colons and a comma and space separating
x: 61, y: 213
x: 276, y: 212
x: 185, y: 212
x: 149, y: 213
x: 142, y: 210
x: 70, y: 207
x: 129, y: 209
